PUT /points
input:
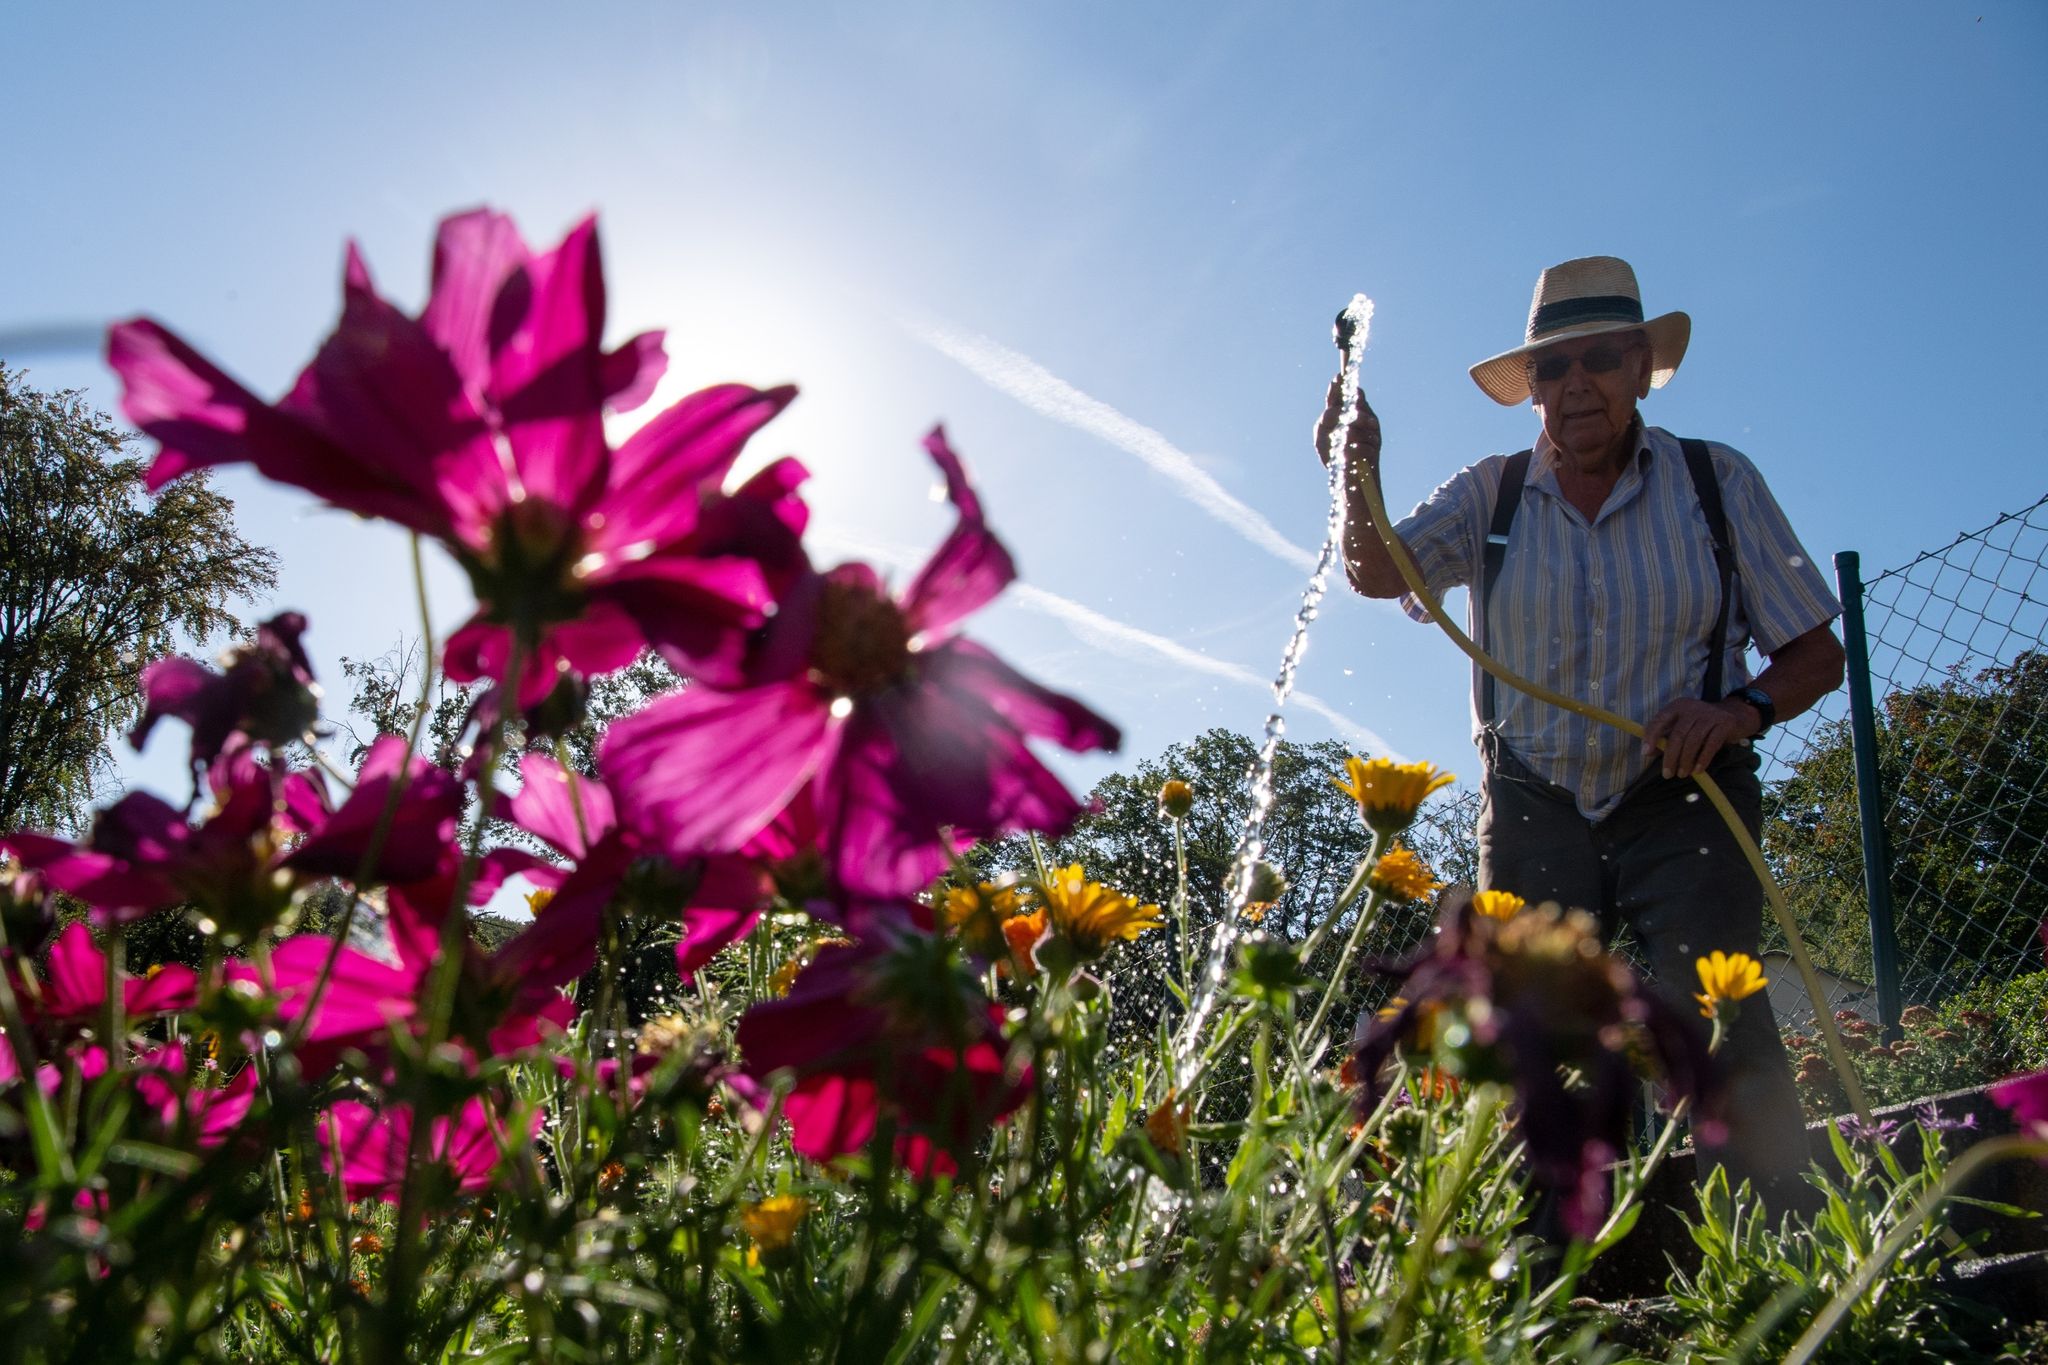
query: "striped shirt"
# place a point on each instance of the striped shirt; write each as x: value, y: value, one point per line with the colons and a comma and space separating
x: 1618, y: 611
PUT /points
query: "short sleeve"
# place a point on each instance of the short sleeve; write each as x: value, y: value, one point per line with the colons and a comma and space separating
x: 1445, y: 529
x: 1784, y: 594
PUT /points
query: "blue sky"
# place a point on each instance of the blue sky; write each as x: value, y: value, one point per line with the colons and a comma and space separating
x: 1103, y: 244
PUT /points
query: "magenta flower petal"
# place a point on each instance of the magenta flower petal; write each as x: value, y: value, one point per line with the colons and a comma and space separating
x: 175, y: 1096
x: 969, y: 568
x: 2027, y: 1098
x: 561, y: 943
x: 419, y: 840
x: 547, y: 374
x: 375, y: 1147
x: 475, y: 253
x: 707, y: 932
x: 702, y: 771
x: 570, y: 818
x: 961, y: 666
x: 630, y: 372
x: 77, y: 985
x: 175, y: 686
x: 656, y: 473
x: 110, y: 885
x: 831, y: 1114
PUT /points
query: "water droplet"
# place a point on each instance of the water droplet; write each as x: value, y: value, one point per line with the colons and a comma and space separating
x: 842, y: 707
x: 1703, y: 852
x: 1691, y: 797
x: 272, y: 1038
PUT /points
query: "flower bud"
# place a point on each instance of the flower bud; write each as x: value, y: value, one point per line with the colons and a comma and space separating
x: 1176, y: 799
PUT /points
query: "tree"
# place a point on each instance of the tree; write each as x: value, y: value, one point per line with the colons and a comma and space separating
x: 1960, y: 763
x: 96, y: 579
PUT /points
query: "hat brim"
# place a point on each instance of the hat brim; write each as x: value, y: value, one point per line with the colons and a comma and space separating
x: 1505, y: 378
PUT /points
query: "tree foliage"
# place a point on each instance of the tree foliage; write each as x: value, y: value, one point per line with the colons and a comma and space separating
x: 96, y: 579
x: 1961, y: 765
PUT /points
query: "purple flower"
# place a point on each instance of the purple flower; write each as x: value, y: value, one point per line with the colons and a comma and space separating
x: 1878, y: 1133
x: 1930, y: 1117
x: 895, y: 728
x: 1533, y: 996
x: 265, y: 695
x: 480, y: 424
x: 238, y: 867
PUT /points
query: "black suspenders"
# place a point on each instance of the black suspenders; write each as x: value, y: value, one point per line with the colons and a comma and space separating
x: 1705, y: 486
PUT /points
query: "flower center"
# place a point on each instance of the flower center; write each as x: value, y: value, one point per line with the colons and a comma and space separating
x: 524, y: 576
x: 863, y: 643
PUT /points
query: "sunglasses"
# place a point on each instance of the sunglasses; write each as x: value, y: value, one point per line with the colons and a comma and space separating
x: 1548, y: 369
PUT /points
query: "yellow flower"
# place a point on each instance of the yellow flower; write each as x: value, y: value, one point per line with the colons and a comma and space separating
x: 1388, y: 793
x: 1176, y: 799
x: 1091, y: 916
x: 1497, y: 904
x: 1727, y: 977
x: 537, y: 900
x: 977, y: 914
x: 1402, y: 875
x: 772, y: 1223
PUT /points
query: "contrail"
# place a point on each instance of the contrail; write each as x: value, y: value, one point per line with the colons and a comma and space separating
x: 53, y: 338
x: 1044, y: 392
x: 1124, y: 639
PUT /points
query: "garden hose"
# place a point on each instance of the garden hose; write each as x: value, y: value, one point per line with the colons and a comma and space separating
x: 1352, y: 325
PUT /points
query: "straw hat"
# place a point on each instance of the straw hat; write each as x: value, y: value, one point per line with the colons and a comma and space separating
x: 1583, y: 298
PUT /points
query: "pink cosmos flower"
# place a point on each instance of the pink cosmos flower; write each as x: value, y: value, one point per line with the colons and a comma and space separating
x: 375, y: 1145
x: 239, y: 866
x: 867, y: 703
x: 887, y: 1024
x: 718, y: 897
x: 177, y: 1098
x: 73, y: 995
x: 480, y: 424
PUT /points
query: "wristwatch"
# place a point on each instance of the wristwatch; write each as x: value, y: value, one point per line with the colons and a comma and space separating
x: 1766, y: 709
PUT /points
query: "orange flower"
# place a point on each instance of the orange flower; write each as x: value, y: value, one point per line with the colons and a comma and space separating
x: 1167, y: 1125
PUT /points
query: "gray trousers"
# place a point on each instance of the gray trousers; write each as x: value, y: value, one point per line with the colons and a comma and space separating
x: 1664, y: 864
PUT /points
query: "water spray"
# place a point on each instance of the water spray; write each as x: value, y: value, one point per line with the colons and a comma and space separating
x: 1353, y: 324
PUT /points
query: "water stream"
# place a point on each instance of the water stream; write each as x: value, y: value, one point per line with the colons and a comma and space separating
x: 1352, y: 326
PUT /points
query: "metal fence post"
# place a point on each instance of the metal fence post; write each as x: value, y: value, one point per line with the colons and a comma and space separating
x: 1877, y: 863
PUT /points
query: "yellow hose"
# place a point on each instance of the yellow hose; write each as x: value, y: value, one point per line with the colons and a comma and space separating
x: 1411, y: 575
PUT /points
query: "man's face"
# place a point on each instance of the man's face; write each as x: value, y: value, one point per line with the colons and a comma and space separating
x: 1585, y: 392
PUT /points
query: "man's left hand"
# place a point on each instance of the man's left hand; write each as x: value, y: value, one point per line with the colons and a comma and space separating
x: 1693, y: 731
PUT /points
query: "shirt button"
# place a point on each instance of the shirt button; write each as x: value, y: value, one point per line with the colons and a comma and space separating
x: 1599, y: 630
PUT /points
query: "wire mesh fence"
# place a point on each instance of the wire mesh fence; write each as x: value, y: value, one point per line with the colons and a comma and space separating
x: 1959, y: 771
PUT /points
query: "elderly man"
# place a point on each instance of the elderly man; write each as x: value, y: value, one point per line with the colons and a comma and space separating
x: 1615, y: 563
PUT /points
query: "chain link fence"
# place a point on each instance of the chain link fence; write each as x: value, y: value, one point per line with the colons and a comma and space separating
x: 1952, y: 850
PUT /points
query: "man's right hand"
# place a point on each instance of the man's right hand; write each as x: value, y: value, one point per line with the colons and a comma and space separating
x: 1364, y: 442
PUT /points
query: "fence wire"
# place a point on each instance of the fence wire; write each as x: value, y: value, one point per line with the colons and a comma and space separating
x: 1959, y: 679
